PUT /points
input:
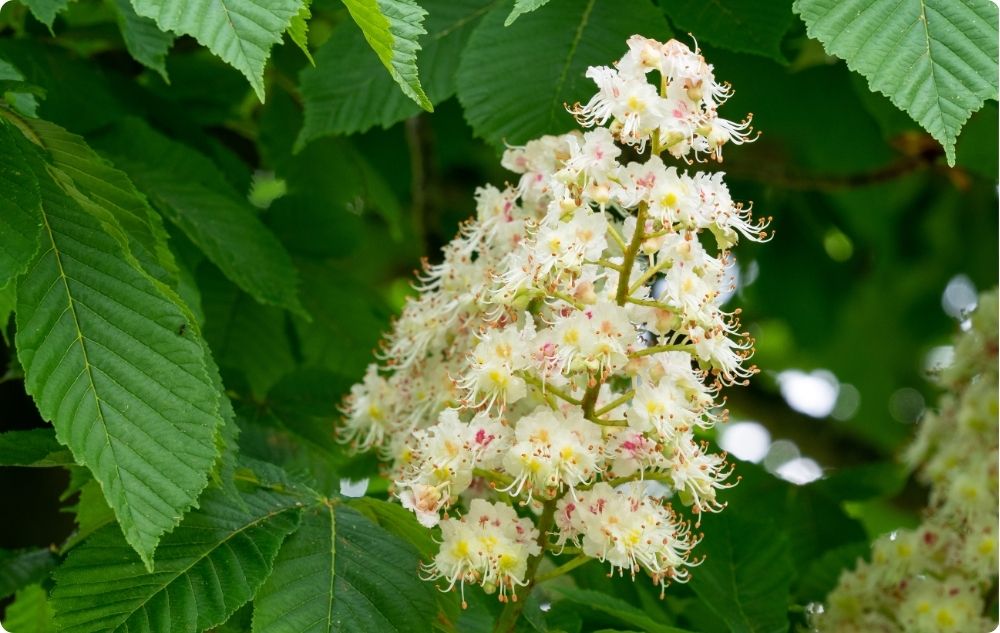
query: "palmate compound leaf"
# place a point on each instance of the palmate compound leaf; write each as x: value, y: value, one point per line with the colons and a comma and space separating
x: 211, y: 565
x: 347, y: 92
x: 193, y: 194
x: 108, y: 359
x: 241, y: 32
x: 342, y: 573
x: 513, y: 92
x: 935, y: 59
x: 392, y: 28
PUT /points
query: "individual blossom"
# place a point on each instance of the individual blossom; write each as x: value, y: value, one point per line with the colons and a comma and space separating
x: 941, y: 576
x: 571, y: 345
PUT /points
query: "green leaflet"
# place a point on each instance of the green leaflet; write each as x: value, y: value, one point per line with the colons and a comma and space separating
x: 212, y: 564
x: 514, y: 92
x: 392, y: 28
x: 20, y: 204
x: 298, y: 30
x: 36, y: 448
x: 521, y: 7
x: 45, y: 10
x: 342, y: 573
x: 345, y: 93
x: 108, y: 360
x: 245, y: 336
x: 241, y: 32
x: 617, y: 608
x: 143, y: 39
x: 935, y: 59
x: 746, y: 574
x: 191, y: 191
x: 20, y: 568
x: 31, y: 612
x: 746, y: 26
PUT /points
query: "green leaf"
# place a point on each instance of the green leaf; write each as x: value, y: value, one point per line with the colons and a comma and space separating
x: 345, y: 93
x: 392, y: 28
x: 212, y: 564
x: 617, y: 608
x: 107, y: 360
x: 143, y: 39
x: 298, y: 30
x: 521, y: 7
x: 342, y: 573
x: 31, y: 612
x: 189, y: 189
x: 513, y: 92
x: 45, y: 10
x: 746, y: 574
x: 20, y: 204
x: 20, y: 568
x: 934, y: 59
x: 37, y: 448
x: 245, y: 336
x: 241, y: 32
x: 399, y: 521
x: 92, y: 514
x: 745, y: 26
x: 822, y: 574
x: 109, y: 195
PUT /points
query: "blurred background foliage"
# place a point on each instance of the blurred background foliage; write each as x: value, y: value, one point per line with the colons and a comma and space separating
x: 879, y: 248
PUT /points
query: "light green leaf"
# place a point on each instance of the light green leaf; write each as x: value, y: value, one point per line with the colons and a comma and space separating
x: 617, y: 608
x: 143, y: 39
x: 241, y: 32
x: 346, y: 92
x: 107, y: 360
x: 513, y: 92
x: 521, y: 7
x: 392, y: 28
x: 342, y: 573
x: 92, y: 514
x: 746, y: 574
x: 20, y: 204
x: 31, y: 612
x: 189, y: 189
x: 745, y: 26
x: 36, y: 448
x: 20, y: 568
x: 212, y: 564
x: 935, y: 59
x: 45, y: 10
x: 298, y: 30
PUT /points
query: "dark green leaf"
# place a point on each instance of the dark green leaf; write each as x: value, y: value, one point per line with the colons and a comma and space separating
x: 746, y: 574
x: 37, y: 447
x: 617, y: 608
x: 514, y: 92
x: 745, y: 26
x: 341, y: 572
x: 212, y: 564
x: 20, y: 204
x: 20, y: 568
x: 345, y: 93
x: 192, y: 193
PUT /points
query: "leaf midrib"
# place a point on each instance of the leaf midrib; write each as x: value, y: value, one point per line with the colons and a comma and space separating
x: 577, y: 36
